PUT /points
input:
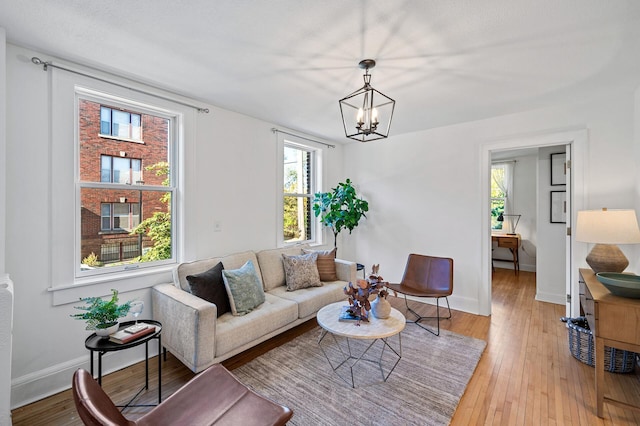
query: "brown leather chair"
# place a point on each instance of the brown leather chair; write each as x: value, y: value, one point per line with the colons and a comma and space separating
x: 214, y: 396
x: 426, y: 276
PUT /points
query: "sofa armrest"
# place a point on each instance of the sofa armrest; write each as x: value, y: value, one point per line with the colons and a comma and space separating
x: 346, y: 270
x: 188, y: 325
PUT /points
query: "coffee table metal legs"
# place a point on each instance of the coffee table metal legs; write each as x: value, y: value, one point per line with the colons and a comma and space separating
x: 350, y: 360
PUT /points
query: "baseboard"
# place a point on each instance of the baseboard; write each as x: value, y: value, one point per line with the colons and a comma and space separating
x: 43, y: 383
x: 558, y: 299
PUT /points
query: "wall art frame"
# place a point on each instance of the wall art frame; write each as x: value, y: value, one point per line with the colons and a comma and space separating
x: 558, y: 169
x: 558, y: 209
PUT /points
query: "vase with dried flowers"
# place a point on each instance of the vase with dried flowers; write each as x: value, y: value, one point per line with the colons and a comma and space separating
x: 380, y: 307
x: 359, y: 295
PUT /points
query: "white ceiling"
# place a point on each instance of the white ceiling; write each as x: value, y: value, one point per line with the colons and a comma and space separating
x: 289, y: 61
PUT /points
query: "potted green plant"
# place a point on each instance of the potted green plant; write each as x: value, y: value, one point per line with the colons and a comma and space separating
x: 102, y: 315
x: 340, y: 208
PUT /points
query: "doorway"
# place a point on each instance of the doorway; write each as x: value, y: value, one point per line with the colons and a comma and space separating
x: 575, y: 141
x: 536, y: 204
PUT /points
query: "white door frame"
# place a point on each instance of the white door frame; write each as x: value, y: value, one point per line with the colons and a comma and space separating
x: 578, y: 140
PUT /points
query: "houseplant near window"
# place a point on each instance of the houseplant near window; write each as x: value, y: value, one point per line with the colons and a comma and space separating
x: 101, y: 315
x: 340, y: 208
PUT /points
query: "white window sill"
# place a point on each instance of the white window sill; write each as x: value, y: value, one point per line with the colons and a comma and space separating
x: 97, y: 286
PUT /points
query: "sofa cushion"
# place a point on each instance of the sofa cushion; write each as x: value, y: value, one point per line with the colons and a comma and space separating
x: 232, y: 332
x: 232, y: 261
x: 271, y: 265
x: 301, y: 271
x: 326, y: 264
x: 243, y: 288
x: 209, y: 286
x: 311, y: 299
x: 181, y: 272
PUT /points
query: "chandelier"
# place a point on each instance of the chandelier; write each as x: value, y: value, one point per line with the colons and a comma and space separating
x: 367, y: 113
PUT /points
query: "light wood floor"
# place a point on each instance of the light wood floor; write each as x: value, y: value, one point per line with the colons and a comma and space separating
x: 525, y: 376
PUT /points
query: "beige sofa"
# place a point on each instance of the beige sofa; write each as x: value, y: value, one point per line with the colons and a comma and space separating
x: 192, y: 332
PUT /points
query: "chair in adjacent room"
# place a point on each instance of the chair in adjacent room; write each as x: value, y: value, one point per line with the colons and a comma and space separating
x: 427, y: 276
x: 214, y: 396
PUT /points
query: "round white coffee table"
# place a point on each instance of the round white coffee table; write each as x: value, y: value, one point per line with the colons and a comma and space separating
x: 377, y: 330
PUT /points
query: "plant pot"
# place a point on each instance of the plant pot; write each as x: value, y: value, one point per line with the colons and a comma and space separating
x: 381, y: 308
x: 104, y: 330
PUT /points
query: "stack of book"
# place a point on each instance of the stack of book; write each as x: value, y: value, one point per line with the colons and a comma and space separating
x: 132, y: 333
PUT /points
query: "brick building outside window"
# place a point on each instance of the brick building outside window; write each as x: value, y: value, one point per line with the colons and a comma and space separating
x: 117, y: 147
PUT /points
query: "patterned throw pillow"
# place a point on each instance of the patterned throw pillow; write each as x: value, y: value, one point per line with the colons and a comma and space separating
x: 244, y: 288
x: 301, y: 271
x: 209, y: 285
x: 326, y: 264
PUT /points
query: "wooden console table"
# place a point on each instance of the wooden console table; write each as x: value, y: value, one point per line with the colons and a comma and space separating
x: 512, y: 242
x: 614, y: 322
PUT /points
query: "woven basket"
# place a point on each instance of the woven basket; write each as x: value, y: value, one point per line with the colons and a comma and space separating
x: 582, y: 347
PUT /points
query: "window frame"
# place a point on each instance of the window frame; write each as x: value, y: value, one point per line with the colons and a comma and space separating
x: 175, y: 123
x: 316, y: 150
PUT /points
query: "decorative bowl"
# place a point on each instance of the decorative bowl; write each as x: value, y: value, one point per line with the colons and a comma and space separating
x: 623, y: 285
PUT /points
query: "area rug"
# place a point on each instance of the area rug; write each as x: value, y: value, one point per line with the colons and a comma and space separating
x: 424, y: 389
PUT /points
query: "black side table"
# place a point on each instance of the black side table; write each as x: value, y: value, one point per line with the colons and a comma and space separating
x: 100, y: 345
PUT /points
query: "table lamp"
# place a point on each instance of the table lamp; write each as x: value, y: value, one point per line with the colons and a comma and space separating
x: 510, y: 221
x: 606, y: 228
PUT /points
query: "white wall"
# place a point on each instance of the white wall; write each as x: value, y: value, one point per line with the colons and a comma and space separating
x: 230, y: 177
x: 3, y: 146
x: 424, y: 188
x: 551, y: 262
x: 7, y: 312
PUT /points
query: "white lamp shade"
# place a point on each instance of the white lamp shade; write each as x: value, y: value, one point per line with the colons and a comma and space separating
x: 607, y: 227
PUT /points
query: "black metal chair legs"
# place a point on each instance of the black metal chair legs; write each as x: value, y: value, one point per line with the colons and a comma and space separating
x: 420, y: 317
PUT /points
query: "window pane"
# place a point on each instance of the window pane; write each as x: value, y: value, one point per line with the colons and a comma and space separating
x: 135, y: 127
x: 129, y: 224
x: 105, y: 121
x: 297, y: 218
x: 105, y: 168
x: 121, y: 124
x: 297, y: 163
x: 121, y: 169
x: 497, y: 208
x: 121, y: 216
x: 105, y: 214
x: 96, y: 152
x: 108, y: 218
x: 136, y: 171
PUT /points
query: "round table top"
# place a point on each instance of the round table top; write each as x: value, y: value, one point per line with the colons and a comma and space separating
x: 97, y: 343
x: 376, y: 328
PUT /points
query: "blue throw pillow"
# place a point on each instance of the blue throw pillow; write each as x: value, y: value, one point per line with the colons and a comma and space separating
x: 244, y: 288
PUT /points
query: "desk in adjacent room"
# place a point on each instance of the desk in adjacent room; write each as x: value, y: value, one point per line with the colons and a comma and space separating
x: 512, y: 242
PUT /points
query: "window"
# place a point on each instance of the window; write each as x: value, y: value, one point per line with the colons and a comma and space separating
x: 125, y: 222
x: 120, y: 170
x: 119, y: 216
x: 501, y: 192
x: 120, y: 124
x: 298, y: 188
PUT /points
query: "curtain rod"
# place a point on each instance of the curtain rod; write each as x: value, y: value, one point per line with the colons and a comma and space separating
x: 47, y: 64
x: 274, y: 130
